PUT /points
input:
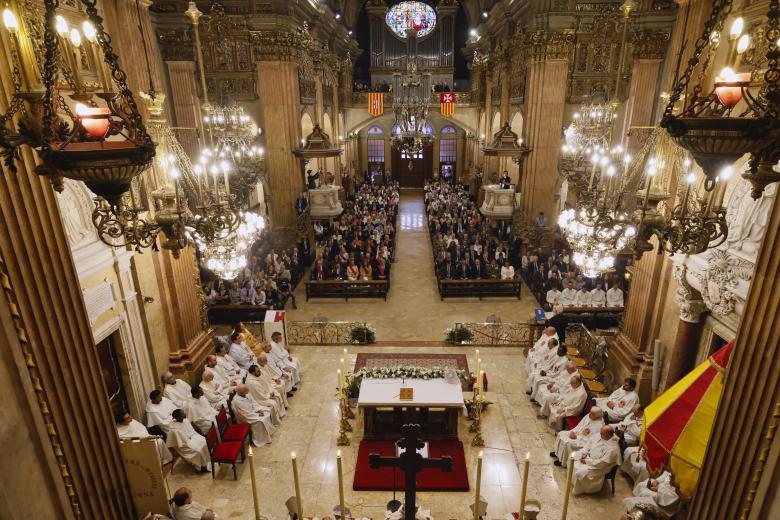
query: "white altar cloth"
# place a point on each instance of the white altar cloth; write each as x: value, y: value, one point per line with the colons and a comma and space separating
x: 428, y: 393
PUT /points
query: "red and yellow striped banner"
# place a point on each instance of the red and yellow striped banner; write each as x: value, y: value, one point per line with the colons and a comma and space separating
x: 376, y: 103
x: 447, y: 104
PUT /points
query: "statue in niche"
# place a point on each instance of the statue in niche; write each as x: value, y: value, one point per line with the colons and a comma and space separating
x: 75, y: 204
x: 747, y: 218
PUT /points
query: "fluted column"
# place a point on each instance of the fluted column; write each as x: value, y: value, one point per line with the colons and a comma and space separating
x: 746, y: 421
x: 186, y: 103
x: 682, y: 358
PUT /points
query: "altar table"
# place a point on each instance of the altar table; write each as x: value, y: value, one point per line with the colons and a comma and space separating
x: 435, y: 407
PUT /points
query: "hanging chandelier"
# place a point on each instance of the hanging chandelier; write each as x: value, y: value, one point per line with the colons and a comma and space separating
x: 227, y: 257
x: 739, y: 114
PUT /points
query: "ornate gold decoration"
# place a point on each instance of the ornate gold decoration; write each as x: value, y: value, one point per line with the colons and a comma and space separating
x: 552, y: 45
x: 650, y: 44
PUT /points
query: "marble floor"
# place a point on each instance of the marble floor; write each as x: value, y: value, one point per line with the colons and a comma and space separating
x: 412, y: 313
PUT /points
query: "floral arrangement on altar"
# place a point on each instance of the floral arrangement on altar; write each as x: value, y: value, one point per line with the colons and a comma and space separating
x: 469, y: 403
x: 363, y: 334
x: 458, y: 335
x: 354, y: 379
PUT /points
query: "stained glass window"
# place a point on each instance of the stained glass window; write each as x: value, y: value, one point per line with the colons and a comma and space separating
x: 417, y: 15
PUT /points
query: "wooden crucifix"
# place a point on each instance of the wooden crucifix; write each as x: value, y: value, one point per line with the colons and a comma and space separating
x: 410, y: 463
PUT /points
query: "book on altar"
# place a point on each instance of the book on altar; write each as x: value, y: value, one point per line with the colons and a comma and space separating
x: 540, y: 315
x: 407, y: 394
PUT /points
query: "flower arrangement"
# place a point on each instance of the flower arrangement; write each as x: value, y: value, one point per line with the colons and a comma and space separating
x: 469, y: 403
x: 354, y: 379
x: 459, y: 335
x: 363, y: 334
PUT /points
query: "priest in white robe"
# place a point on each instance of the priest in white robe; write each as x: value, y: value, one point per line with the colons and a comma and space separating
x: 129, y: 428
x: 620, y: 402
x: 159, y: 410
x: 569, y: 403
x: 539, y: 347
x: 184, y: 508
x: 543, y: 394
x: 592, y: 463
x: 214, y: 393
x: 550, y: 369
x: 280, y: 382
x: 220, y: 375
x: 630, y: 427
x: 587, y: 431
x: 199, y: 411
x: 634, y: 464
x: 228, y: 367
x: 177, y: 390
x: 241, y: 353
x: 568, y: 296
x: 278, y: 361
x: 188, y: 443
x: 656, y: 491
x: 598, y: 296
x: 264, y: 394
x: 247, y: 410
x: 615, y: 297
x: 277, y: 346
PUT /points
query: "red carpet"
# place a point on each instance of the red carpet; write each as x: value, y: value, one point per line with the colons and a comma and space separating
x: 367, y: 479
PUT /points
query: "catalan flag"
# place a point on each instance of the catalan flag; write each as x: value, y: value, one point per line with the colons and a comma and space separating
x: 447, y: 104
x: 376, y: 103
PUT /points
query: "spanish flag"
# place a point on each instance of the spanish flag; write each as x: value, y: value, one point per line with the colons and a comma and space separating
x: 447, y: 104
x: 376, y: 103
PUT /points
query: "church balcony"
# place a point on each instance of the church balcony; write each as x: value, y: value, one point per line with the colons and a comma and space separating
x: 462, y: 99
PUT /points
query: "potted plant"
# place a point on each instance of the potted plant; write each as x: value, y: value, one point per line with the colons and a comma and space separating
x: 459, y: 335
x: 363, y: 334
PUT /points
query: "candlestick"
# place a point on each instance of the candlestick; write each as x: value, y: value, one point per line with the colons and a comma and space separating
x: 297, y: 482
x: 341, y: 382
x: 251, y: 458
x: 568, y: 488
x: 477, y: 486
x: 525, y: 482
x: 341, y: 486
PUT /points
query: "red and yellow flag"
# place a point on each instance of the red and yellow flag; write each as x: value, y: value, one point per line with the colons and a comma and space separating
x: 376, y: 103
x: 447, y: 104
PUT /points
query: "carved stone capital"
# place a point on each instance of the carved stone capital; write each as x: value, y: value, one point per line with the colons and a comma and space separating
x: 650, y: 44
x: 552, y: 45
x: 691, y: 303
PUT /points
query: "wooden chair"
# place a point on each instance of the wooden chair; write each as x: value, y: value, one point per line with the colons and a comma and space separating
x: 233, y: 432
x: 223, y: 452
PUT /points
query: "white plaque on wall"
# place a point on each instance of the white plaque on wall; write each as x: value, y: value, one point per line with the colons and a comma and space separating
x: 99, y: 299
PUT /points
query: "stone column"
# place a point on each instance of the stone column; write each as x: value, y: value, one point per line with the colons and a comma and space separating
x: 545, y: 100
x: 186, y: 104
x: 747, y: 418
x: 278, y: 90
x: 505, y: 84
x: 488, y: 126
x: 686, y: 343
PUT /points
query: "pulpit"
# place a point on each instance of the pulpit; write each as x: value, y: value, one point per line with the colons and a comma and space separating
x: 324, y: 202
x: 498, y: 202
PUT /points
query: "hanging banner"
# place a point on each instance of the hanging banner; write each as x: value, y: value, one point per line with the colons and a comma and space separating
x: 376, y: 103
x: 144, y: 473
x: 447, y: 104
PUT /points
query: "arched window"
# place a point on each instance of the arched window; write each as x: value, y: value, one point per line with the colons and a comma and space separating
x: 375, y: 130
x: 448, y: 130
x: 417, y: 15
x: 448, y: 152
x: 376, y: 145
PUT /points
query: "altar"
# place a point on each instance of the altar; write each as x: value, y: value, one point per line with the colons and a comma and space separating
x: 435, y: 406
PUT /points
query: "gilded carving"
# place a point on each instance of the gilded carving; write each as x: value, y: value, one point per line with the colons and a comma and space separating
x: 687, y: 297
x: 720, y: 280
x: 650, y: 44
x: 552, y: 45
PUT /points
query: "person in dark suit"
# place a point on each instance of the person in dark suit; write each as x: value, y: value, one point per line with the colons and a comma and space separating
x: 462, y: 271
x: 477, y: 270
x: 446, y: 271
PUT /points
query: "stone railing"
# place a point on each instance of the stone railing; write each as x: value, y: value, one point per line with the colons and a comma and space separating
x: 360, y: 99
x: 323, y: 332
x: 512, y: 334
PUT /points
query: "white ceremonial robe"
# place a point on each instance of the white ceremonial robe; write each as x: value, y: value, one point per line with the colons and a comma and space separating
x: 422, y: 514
x: 551, y: 374
x: 247, y: 410
x: 137, y: 430
x: 567, y: 404
x: 614, y: 297
x: 568, y: 297
x: 634, y: 464
x: 200, y: 413
x: 278, y: 359
x: 191, y: 511
x: 280, y: 374
x: 280, y: 388
x: 259, y: 389
x: 539, y: 348
x: 189, y: 444
x: 545, y: 397
x: 160, y: 414
x: 631, y: 427
x: 291, y: 360
x: 178, y: 393
x: 242, y: 355
x: 587, y: 431
x: 220, y: 377
x: 583, y: 299
x: 666, y: 497
x: 553, y: 297
x: 589, y: 476
x: 622, y: 403
x: 598, y: 298
x: 230, y: 370
x: 215, y: 393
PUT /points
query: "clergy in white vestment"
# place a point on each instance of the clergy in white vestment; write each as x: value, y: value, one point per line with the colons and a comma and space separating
x: 240, y: 352
x: 539, y: 346
x: 553, y: 296
x: 550, y: 371
x: 184, y: 508
x: 247, y: 410
x: 281, y: 384
x: 634, y: 464
x: 214, y: 393
x: 546, y: 394
x: 631, y: 426
x: 277, y: 346
x: 221, y: 376
x: 159, y: 410
x: 129, y: 428
x: 569, y: 403
x: 420, y: 514
x: 598, y: 296
x: 228, y: 366
x: 278, y: 363
x: 568, y: 296
x: 620, y: 402
x: 261, y: 390
x: 592, y: 463
x: 656, y: 491
x: 542, y: 360
x: 615, y: 297
x: 177, y: 390
x: 583, y: 297
x: 188, y: 443
x: 587, y: 430
x: 199, y: 411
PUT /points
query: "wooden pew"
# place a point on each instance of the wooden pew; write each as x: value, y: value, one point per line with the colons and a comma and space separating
x: 229, y: 314
x: 479, y: 288
x: 347, y: 289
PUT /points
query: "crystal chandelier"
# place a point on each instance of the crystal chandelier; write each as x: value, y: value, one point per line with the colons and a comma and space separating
x: 411, y: 93
x: 227, y: 257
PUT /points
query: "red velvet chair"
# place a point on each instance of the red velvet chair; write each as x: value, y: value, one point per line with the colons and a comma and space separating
x: 223, y: 452
x: 570, y: 422
x: 232, y: 432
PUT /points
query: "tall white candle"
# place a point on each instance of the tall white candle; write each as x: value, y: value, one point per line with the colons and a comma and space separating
x: 340, y: 382
x: 251, y: 458
x: 525, y: 483
x: 297, y: 482
x: 568, y: 488
x: 341, y: 486
x: 477, y: 486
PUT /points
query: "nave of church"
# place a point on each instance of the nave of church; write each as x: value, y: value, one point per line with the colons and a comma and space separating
x: 389, y: 259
